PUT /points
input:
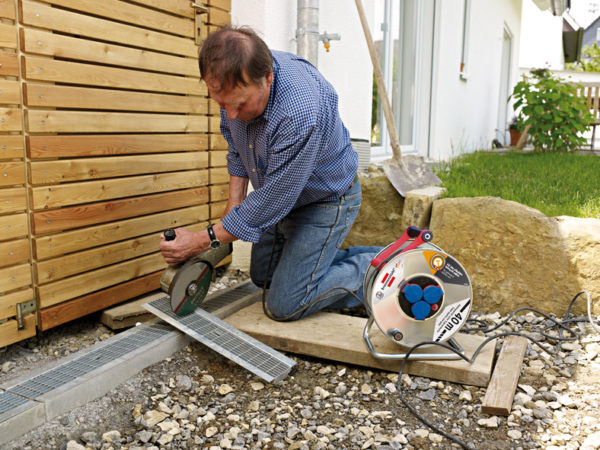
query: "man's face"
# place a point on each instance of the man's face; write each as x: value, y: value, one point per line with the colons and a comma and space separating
x: 241, y: 102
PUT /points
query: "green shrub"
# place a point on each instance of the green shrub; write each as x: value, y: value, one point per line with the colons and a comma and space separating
x: 557, y: 117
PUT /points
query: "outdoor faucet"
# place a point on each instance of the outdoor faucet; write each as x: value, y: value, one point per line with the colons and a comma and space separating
x: 327, y: 37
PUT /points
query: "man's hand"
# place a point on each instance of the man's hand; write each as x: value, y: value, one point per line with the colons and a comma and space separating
x: 185, y: 245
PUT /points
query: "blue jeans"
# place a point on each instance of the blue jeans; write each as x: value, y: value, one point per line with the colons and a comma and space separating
x: 307, y: 261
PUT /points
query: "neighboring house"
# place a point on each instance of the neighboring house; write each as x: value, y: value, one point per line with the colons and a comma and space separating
x: 449, y: 65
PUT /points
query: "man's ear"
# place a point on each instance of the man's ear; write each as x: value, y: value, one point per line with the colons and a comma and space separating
x: 269, y: 78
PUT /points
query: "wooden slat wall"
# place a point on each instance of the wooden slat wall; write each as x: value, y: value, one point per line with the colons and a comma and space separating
x: 106, y: 140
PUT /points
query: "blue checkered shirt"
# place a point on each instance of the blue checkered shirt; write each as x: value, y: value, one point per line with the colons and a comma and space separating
x: 298, y: 152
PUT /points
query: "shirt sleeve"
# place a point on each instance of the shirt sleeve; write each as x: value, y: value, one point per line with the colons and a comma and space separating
x: 293, y: 155
x: 235, y: 166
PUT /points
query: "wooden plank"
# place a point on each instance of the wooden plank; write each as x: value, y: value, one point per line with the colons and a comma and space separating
x: 217, y: 158
x: 339, y: 338
x: 68, y: 288
x: 132, y: 14
x: 41, y: 42
x: 177, y: 7
x: 221, y: 4
x: 87, y: 304
x: 8, y: 35
x: 48, y: 172
x: 13, y: 226
x: 13, y: 200
x: 72, y: 241
x: 96, y: 145
x: 14, y: 252
x: 44, y: 16
x: 7, y: 9
x: 10, y: 333
x: 92, y: 214
x: 130, y: 313
x: 217, y: 142
x: 11, y: 146
x: 219, y: 192
x: 10, y: 93
x: 10, y: 119
x: 219, y: 17
x: 11, y: 173
x: 51, y: 96
x: 93, y: 191
x: 15, y: 277
x: 9, y: 64
x: 75, y: 263
x: 93, y: 122
x: 501, y: 390
x: 217, y: 209
x: 40, y: 69
x: 8, y: 302
x: 218, y: 175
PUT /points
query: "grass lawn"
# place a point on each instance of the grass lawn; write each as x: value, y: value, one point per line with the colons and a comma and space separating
x: 555, y: 183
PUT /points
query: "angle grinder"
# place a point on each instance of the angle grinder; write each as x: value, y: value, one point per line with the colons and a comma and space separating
x: 416, y: 292
x: 187, y: 283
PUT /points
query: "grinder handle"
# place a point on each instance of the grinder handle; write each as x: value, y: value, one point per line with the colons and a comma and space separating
x: 169, y: 234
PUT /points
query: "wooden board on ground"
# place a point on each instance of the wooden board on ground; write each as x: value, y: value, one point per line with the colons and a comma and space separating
x: 339, y: 338
x: 501, y: 390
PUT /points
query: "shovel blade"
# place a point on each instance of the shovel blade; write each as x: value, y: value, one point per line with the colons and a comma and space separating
x: 409, y: 173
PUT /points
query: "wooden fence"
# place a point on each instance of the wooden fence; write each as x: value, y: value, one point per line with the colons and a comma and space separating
x: 107, y: 137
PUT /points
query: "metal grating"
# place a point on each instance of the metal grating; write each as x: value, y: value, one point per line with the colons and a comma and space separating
x: 227, y: 340
x: 64, y: 373
x: 220, y: 299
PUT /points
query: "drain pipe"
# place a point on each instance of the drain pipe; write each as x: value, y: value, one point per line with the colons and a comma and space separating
x: 307, y: 31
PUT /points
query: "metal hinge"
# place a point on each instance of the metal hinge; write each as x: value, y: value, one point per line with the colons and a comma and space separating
x: 200, y: 9
x: 22, y: 309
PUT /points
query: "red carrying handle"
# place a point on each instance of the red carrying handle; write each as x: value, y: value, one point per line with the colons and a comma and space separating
x: 420, y: 237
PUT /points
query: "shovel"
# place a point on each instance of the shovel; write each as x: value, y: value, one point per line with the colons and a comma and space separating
x: 404, y: 172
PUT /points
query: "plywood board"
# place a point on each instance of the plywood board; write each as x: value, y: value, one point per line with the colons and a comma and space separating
x: 63, y: 266
x: 44, y: 16
x: 51, y: 172
x: 72, y: 241
x: 95, y: 213
x: 41, y: 42
x: 15, y: 277
x: 108, y: 122
x: 339, y: 338
x: 87, y: 304
x: 93, y: 191
x: 39, y: 147
x: 501, y: 390
x: 10, y: 333
x: 8, y: 302
x: 11, y: 146
x: 41, y: 69
x: 128, y: 13
x: 14, y: 252
x: 11, y: 173
x: 51, y: 96
x: 13, y: 199
x: 68, y: 288
x: 9, y: 64
x: 13, y: 226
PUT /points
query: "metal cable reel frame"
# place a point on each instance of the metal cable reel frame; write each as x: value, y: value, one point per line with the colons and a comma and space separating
x: 416, y: 292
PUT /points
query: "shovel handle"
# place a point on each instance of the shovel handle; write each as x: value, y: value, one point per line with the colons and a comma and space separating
x: 169, y: 234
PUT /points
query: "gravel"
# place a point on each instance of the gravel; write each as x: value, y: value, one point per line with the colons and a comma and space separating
x: 198, y: 399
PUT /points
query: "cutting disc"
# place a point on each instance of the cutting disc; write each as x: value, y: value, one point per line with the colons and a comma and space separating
x: 189, y: 286
x: 419, y: 295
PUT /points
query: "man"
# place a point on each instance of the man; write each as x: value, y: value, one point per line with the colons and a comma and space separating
x: 280, y: 118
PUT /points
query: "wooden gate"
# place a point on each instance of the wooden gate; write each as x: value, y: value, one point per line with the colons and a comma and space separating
x: 107, y: 137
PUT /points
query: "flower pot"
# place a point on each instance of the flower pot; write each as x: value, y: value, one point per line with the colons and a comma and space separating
x: 515, y: 135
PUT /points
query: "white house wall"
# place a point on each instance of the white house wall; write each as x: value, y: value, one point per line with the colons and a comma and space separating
x: 347, y: 65
x: 464, y: 114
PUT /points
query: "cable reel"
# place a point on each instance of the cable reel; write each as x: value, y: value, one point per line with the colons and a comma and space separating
x: 416, y: 292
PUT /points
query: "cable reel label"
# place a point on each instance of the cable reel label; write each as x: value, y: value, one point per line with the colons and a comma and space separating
x: 450, y: 319
x: 388, y: 281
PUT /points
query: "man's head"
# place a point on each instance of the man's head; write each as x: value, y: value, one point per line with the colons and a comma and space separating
x: 237, y: 67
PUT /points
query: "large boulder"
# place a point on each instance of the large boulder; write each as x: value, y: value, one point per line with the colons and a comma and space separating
x: 516, y: 256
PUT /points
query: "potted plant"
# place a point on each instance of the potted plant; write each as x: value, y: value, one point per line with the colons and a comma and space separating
x: 515, y: 131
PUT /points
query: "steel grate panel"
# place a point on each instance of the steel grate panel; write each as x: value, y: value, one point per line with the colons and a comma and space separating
x: 227, y: 340
x: 10, y: 401
x: 219, y: 300
x: 65, y: 373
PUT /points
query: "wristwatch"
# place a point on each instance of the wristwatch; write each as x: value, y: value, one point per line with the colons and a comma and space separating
x: 214, y: 241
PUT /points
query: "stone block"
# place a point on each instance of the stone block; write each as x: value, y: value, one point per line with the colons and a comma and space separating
x: 417, y: 206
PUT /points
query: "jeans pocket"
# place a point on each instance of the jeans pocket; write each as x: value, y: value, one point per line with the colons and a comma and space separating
x: 351, y: 213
